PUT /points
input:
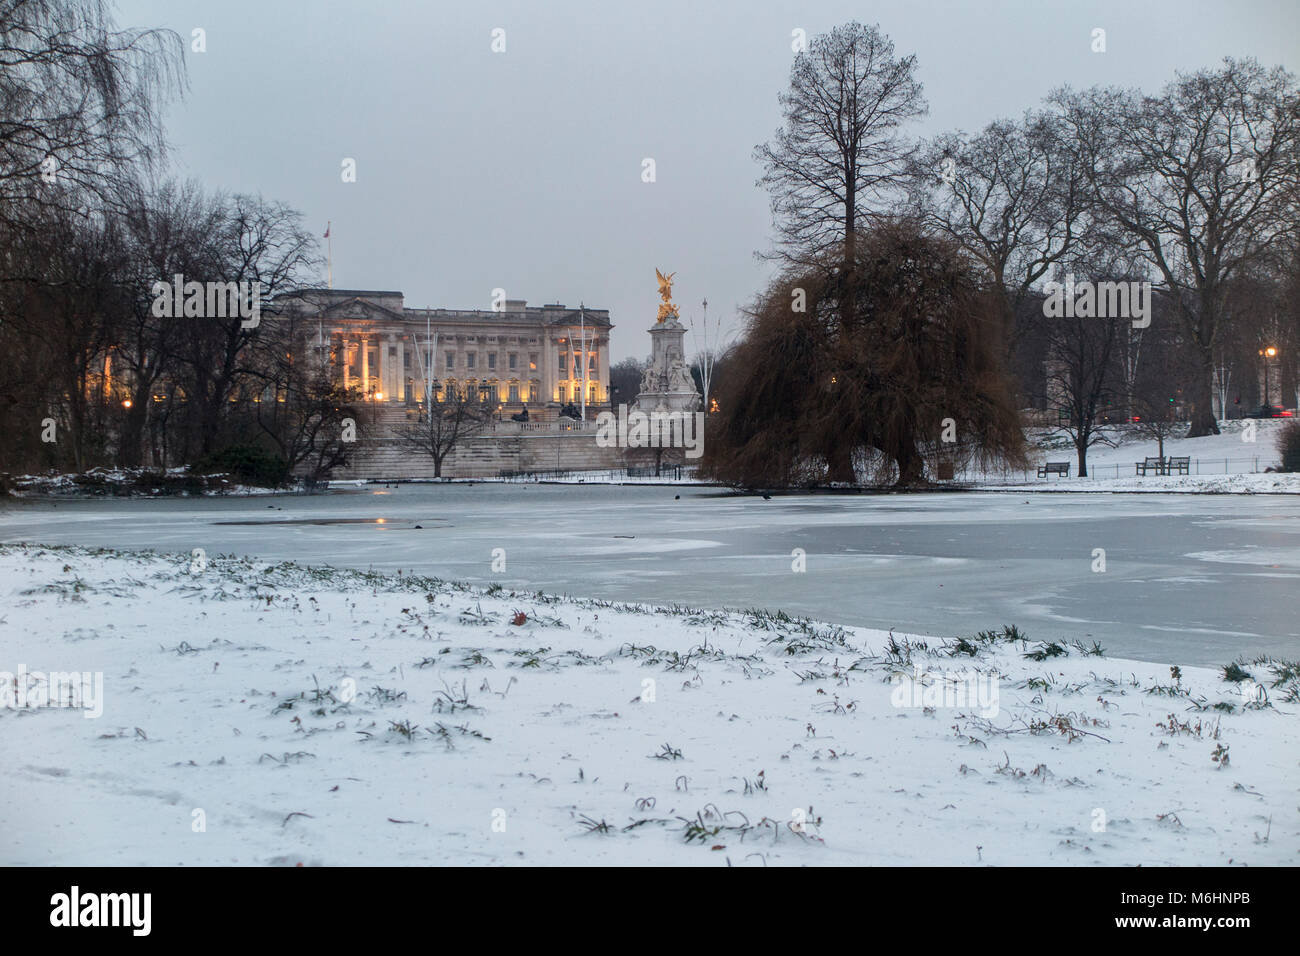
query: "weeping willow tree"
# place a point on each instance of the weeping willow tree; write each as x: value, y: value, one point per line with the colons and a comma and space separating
x: 868, y: 370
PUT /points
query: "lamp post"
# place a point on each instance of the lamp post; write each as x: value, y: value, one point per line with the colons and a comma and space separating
x: 1266, y: 354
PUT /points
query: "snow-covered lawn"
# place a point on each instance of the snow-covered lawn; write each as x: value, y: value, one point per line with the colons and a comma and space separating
x: 1245, y: 483
x: 1230, y: 462
x: 277, y: 714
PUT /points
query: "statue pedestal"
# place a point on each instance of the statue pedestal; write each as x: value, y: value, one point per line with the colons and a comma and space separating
x: 667, y: 385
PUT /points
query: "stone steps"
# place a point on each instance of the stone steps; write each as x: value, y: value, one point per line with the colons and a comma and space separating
x: 482, y: 457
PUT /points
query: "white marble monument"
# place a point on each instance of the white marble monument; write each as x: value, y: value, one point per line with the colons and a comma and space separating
x: 667, y: 385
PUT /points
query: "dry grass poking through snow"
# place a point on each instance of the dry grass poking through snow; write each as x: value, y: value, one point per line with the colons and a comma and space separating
x: 272, y: 714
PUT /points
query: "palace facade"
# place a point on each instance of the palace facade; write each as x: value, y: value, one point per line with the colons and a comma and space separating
x: 539, y: 357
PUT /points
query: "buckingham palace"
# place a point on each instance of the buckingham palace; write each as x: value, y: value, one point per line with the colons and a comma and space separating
x: 515, y: 356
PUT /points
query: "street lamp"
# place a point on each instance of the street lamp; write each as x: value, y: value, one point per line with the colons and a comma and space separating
x: 1266, y: 354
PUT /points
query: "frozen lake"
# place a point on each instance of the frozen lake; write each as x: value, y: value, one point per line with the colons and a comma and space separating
x: 1189, y: 579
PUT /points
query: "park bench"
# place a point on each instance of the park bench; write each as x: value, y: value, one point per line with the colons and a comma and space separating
x: 1150, y: 466
x: 1061, y: 468
x: 1178, y: 466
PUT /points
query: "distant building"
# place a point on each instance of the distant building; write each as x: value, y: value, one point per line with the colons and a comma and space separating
x: 543, y: 356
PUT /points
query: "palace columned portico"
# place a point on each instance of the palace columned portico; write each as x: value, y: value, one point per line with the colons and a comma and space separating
x: 541, y: 356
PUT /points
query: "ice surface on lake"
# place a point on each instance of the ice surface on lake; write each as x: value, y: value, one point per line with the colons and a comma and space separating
x: 1188, y: 579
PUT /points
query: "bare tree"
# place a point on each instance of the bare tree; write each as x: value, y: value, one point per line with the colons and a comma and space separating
x: 841, y: 148
x: 170, y: 229
x: 80, y: 101
x: 1080, y: 369
x: 443, y: 425
x: 1155, y: 419
x: 312, y: 421
x: 1012, y: 197
x: 59, y: 315
x: 1205, y: 179
x: 258, y: 241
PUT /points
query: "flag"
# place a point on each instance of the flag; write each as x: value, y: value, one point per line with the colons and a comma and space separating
x: 327, y: 231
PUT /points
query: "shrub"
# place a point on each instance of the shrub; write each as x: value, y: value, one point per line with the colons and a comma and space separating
x: 247, y: 464
x: 1288, y: 444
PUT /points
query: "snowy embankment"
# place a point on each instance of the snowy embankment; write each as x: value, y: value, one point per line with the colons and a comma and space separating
x: 277, y: 714
x: 1232, y: 462
x: 128, y: 483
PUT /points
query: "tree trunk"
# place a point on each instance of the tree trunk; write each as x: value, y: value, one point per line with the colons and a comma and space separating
x: 1203, y: 420
x: 911, y: 467
x: 850, y: 222
x: 839, y: 464
x: 131, y: 443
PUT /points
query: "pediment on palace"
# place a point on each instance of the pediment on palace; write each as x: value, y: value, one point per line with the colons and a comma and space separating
x: 557, y: 317
x: 361, y: 309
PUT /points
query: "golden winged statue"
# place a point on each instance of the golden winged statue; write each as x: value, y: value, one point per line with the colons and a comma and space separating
x: 666, y: 308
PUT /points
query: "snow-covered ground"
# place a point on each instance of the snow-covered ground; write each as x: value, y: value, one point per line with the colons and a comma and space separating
x: 278, y: 714
x: 129, y: 482
x: 1234, y: 461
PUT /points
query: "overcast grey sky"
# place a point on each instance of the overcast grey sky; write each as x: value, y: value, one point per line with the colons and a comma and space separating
x: 522, y: 169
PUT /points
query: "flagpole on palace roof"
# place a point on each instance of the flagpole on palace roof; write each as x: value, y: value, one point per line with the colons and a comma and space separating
x: 329, y: 255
